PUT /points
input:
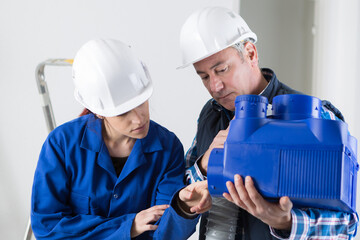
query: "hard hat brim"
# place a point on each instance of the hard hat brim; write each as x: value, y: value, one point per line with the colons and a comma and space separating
x: 249, y: 35
x: 123, y: 107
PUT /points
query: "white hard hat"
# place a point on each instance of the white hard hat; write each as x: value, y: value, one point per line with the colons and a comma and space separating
x: 109, y: 79
x: 210, y: 30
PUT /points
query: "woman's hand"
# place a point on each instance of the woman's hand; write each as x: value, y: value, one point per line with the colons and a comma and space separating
x: 195, y: 198
x: 144, y: 220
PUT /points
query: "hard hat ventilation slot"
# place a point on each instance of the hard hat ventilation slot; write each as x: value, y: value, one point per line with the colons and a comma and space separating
x: 146, y: 70
x: 100, y: 103
x: 136, y: 81
x: 231, y: 14
x: 143, y: 81
x: 79, y: 95
x: 242, y: 30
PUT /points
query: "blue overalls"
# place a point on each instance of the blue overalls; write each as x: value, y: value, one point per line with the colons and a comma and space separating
x: 77, y: 194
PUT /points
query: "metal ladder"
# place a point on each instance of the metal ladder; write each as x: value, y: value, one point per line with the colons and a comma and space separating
x: 46, y: 106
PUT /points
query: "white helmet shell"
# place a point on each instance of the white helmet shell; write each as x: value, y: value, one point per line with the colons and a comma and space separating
x: 109, y: 80
x: 210, y: 30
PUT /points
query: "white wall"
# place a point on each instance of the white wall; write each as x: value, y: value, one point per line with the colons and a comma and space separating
x: 337, y: 61
x: 337, y: 57
x: 33, y: 31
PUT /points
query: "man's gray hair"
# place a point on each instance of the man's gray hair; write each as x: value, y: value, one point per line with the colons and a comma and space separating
x: 239, y: 46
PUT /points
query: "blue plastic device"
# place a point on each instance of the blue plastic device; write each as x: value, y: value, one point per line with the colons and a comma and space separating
x: 291, y: 153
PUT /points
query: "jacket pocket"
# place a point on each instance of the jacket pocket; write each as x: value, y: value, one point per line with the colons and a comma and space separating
x: 79, y: 203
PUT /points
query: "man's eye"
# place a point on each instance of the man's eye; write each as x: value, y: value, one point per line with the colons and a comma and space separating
x: 223, y: 69
x: 204, y: 77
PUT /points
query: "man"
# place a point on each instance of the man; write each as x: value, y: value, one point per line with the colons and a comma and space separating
x: 220, y: 45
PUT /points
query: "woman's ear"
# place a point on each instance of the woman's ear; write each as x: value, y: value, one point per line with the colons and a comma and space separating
x: 98, y: 116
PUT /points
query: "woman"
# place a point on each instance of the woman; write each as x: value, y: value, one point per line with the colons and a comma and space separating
x: 112, y: 174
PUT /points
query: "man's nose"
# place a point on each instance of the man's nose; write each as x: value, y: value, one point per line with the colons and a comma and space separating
x: 216, y: 84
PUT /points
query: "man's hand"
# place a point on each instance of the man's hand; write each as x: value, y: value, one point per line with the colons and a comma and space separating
x: 218, y: 142
x: 144, y: 220
x: 276, y: 215
x: 195, y: 198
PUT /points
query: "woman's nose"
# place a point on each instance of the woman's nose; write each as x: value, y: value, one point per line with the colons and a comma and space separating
x: 137, y: 117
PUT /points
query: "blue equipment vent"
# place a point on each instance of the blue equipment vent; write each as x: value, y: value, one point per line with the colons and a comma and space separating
x: 291, y: 153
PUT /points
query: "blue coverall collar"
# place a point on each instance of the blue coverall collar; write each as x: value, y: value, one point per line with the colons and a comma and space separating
x: 92, y: 140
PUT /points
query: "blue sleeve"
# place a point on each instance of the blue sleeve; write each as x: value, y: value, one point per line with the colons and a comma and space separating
x: 173, y: 178
x: 175, y: 227
x: 171, y: 224
x: 51, y: 214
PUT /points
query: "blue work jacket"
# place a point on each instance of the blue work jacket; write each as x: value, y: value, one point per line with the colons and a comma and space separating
x: 77, y: 194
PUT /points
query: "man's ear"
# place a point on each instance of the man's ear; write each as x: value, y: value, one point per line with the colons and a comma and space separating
x: 251, y: 53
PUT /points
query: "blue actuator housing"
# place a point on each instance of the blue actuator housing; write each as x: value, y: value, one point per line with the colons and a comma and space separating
x: 291, y: 153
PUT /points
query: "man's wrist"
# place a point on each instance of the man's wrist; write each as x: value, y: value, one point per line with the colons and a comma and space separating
x: 285, y: 233
x: 285, y: 225
x: 201, y: 167
x: 203, y: 163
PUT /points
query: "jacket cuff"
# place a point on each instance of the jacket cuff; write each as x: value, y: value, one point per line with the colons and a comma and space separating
x: 175, y: 204
x: 193, y: 174
x: 200, y: 175
x: 299, y: 227
x: 124, y: 232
